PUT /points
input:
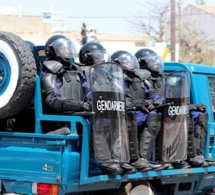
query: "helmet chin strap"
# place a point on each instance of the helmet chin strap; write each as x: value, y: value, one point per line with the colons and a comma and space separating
x: 155, y: 73
x: 67, y: 64
x: 63, y: 61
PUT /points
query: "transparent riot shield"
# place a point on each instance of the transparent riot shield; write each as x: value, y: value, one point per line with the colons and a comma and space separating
x: 175, y: 117
x: 110, y: 134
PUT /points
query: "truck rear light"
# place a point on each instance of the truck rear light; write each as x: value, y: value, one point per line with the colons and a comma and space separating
x: 45, y: 189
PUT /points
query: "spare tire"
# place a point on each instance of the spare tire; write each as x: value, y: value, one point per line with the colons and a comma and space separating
x: 17, y: 74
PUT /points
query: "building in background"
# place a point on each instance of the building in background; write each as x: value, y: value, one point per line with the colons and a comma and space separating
x: 195, y: 34
x: 24, y: 26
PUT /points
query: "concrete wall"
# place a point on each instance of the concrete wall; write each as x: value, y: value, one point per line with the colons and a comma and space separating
x: 33, y: 29
x: 111, y: 47
x: 201, y: 20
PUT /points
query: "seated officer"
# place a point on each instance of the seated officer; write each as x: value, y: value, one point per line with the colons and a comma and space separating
x: 148, y: 121
x: 63, y: 82
x: 198, y: 116
x: 93, y: 53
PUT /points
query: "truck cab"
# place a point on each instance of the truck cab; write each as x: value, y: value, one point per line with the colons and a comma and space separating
x: 202, y: 92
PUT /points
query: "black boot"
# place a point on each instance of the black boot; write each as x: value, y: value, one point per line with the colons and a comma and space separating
x: 159, y: 143
x: 166, y: 165
x: 145, y: 165
x: 101, y: 139
x: 111, y: 168
x: 193, y: 159
x: 128, y: 168
x: 147, y: 140
x: 181, y: 165
x: 133, y: 143
x: 102, y: 150
x: 141, y: 164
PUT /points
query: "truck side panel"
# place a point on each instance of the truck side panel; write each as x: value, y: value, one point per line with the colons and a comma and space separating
x: 31, y: 158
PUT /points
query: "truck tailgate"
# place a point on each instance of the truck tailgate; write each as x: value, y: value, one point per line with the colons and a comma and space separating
x: 34, y: 158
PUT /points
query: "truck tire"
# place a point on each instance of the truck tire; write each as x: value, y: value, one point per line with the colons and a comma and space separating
x: 141, y: 190
x: 168, y: 189
x: 17, y: 74
x: 134, y: 188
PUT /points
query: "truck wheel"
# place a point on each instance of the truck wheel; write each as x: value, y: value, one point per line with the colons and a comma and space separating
x: 134, y: 188
x: 168, y: 189
x: 141, y: 190
x: 17, y: 74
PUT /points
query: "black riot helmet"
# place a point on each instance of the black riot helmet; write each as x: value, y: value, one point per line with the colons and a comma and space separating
x: 61, y: 48
x: 125, y: 59
x: 150, y: 60
x: 93, y: 53
x: 49, y: 50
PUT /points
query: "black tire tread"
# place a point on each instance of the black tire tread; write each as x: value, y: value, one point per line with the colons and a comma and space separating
x: 26, y: 86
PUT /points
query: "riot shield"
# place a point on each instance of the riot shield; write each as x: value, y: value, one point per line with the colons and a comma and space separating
x: 110, y: 134
x: 175, y: 117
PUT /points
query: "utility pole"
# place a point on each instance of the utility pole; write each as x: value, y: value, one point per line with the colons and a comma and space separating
x: 180, y: 25
x: 179, y: 20
x: 172, y: 34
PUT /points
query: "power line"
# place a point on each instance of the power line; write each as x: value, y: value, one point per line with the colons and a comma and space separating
x: 142, y: 16
x: 102, y: 17
x: 172, y: 30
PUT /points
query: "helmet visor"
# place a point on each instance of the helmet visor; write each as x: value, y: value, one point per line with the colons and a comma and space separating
x: 154, y: 63
x: 64, y: 48
x: 128, y: 61
x: 100, y: 56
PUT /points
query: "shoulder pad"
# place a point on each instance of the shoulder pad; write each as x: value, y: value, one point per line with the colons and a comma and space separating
x: 79, y: 64
x: 145, y: 73
x: 163, y: 76
x: 52, y: 66
x: 47, y: 83
x: 159, y: 77
x: 78, y: 68
x: 127, y: 78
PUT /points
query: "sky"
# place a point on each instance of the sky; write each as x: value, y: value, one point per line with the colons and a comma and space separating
x: 106, y: 16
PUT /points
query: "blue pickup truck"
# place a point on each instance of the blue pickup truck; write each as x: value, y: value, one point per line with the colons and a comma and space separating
x: 32, y: 162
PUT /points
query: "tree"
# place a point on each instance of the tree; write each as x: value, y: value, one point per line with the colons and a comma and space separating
x: 195, y: 46
x: 154, y: 20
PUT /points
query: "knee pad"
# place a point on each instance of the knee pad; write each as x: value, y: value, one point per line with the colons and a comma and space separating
x: 154, y: 123
x: 203, y: 121
x: 132, y: 133
x: 190, y: 124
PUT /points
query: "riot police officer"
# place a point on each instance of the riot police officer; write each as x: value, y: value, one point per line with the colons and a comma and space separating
x: 146, y: 120
x: 148, y: 59
x: 93, y: 53
x: 63, y: 82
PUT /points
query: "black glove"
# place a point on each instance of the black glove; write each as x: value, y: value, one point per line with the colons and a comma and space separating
x: 86, y: 106
x: 139, y: 104
x: 71, y: 105
x: 197, y: 107
x: 148, y: 105
x: 129, y: 104
x: 148, y: 102
x: 139, y: 75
